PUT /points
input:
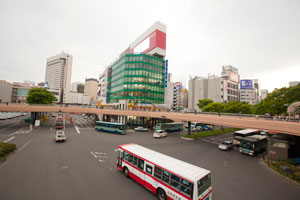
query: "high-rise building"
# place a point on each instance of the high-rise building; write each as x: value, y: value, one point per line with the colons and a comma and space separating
x: 91, y: 88
x: 231, y: 79
x: 138, y: 76
x: 205, y: 88
x: 58, y: 74
x: 249, y: 91
x: 5, y: 91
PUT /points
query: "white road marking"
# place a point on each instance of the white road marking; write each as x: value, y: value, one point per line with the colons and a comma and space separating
x: 210, y: 141
x: 51, y: 129
x: 25, y: 145
x: 101, y: 160
x: 9, y: 139
x: 77, y: 129
x: 225, y: 165
x: 100, y: 153
x: 93, y: 154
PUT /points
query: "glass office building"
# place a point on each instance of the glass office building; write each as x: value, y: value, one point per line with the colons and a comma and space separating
x: 137, y: 78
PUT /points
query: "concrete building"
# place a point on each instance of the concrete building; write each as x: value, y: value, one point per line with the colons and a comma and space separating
x: 263, y: 94
x: 293, y: 83
x: 205, y: 88
x: 169, y: 93
x: 79, y: 98
x: 91, y: 88
x: 5, y: 91
x: 231, y: 80
x: 102, y: 94
x: 58, y: 74
x: 19, y: 93
x: 249, y: 91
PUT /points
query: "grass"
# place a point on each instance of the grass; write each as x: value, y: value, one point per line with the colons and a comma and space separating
x: 210, y: 133
x: 6, y: 148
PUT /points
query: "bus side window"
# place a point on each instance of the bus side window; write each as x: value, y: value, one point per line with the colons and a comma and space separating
x: 175, y: 181
x: 166, y: 177
x: 125, y: 155
x: 130, y: 158
x: 135, y: 161
x: 149, y: 169
x: 141, y: 164
x: 186, y: 187
x: 157, y: 172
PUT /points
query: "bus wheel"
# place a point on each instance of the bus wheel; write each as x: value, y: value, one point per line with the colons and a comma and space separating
x: 126, y: 172
x: 161, y: 195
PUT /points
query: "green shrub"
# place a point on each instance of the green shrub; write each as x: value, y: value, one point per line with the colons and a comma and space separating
x: 6, y: 148
x: 210, y: 133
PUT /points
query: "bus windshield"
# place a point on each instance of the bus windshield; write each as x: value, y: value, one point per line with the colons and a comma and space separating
x: 247, y: 145
x: 203, y: 184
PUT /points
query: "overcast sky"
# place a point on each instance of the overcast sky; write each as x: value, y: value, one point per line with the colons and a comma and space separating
x: 259, y: 37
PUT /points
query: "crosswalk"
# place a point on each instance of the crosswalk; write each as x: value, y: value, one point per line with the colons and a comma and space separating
x: 219, y: 138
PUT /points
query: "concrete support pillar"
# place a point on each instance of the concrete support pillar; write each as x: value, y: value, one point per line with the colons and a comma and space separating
x: 189, y: 128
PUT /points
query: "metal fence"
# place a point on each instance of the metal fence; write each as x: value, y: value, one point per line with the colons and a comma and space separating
x: 285, y: 167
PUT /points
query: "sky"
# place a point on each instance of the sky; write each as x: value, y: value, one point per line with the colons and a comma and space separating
x: 261, y: 38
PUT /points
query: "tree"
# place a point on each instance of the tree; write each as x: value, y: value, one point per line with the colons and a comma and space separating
x: 275, y: 102
x: 204, y: 102
x: 214, y: 107
x: 40, y: 96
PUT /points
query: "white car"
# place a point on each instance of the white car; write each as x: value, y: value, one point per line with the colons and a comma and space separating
x: 141, y: 129
x: 60, y: 136
x: 159, y: 133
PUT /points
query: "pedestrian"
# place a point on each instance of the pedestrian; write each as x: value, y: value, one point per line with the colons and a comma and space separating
x: 195, y: 112
x: 7, y: 103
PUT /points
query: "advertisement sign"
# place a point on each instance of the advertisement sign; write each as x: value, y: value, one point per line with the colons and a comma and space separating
x: 166, y: 74
x: 156, y: 39
x: 246, y: 84
x: 234, y: 77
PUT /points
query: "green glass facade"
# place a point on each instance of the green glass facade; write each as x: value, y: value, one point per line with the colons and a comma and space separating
x: 137, y: 78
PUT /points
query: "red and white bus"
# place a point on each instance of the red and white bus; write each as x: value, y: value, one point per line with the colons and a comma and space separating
x: 167, y: 177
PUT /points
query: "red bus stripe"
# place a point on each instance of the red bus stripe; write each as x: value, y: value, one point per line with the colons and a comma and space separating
x: 156, y: 165
x: 159, y: 181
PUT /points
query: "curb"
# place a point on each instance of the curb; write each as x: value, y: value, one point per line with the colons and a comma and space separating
x: 189, y: 139
x: 278, y: 174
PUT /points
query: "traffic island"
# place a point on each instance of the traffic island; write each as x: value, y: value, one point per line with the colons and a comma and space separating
x: 202, y: 134
x: 5, y: 149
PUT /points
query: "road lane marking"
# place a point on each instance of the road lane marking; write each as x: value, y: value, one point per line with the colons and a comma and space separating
x: 25, y: 145
x: 9, y: 139
x: 93, y: 154
x: 101, y: 160
x: 51, y: 129
x: 77, y: 129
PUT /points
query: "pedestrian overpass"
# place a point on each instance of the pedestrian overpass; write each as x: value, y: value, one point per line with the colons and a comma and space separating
x: 291, y: 128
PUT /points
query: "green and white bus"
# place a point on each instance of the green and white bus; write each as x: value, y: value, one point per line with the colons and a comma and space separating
x: 253, y: 144
x: 169, y: 127
x: 111, y: 127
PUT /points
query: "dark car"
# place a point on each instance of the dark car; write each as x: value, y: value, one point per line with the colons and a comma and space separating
x: 226, y: 145
x: 58, y: 125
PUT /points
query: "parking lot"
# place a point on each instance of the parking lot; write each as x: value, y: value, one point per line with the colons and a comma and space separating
x: 84, y: 167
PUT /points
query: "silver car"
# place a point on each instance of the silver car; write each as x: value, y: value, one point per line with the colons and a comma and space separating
x: 226, y: 145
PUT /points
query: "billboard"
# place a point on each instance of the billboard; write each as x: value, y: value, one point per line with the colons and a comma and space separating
x: 234, y: 77
x: 156, y: 39
x: 166, y: 74
x: 246, y: 84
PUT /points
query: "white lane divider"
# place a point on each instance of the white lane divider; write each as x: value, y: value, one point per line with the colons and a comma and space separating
x: 77, y: 129
x: 9, y: 139
x: 25, y: 144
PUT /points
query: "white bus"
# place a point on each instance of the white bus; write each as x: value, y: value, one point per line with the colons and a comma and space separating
x: 241, y: 134
x: 166, y: 177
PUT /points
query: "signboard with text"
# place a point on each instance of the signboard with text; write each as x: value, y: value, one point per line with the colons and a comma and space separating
x: 246, y: 84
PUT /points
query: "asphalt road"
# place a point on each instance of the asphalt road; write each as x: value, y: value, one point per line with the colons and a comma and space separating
x: 84, y: 167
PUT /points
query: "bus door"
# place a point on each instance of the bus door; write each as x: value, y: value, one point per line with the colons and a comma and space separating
x: 119, y: 161
x: 149, y: 181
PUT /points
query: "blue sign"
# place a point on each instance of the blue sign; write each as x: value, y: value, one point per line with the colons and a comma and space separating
x: 166, y: 74
x: 246, y: 85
